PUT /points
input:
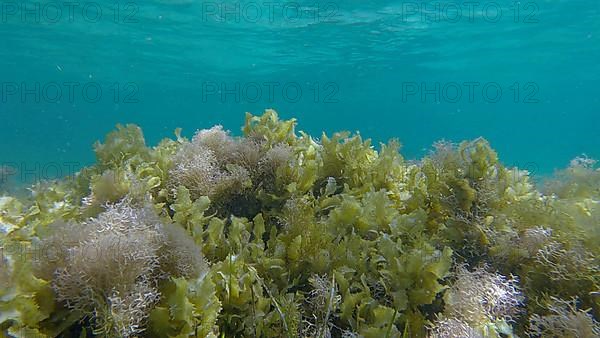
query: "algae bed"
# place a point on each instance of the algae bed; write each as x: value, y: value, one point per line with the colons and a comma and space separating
x: 278, y: 233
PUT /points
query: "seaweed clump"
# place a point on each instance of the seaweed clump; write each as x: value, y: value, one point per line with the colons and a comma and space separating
x: 275, y: 233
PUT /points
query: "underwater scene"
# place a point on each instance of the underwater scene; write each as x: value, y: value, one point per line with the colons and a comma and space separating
x: 302, y: 168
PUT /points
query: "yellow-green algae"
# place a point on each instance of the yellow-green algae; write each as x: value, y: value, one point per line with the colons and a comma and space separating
x: 279, y: 234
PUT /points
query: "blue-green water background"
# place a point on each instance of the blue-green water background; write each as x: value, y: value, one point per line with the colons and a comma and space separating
x: 353, y: 61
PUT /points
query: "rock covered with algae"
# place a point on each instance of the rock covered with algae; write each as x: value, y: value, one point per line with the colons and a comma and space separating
x: 279, y: 234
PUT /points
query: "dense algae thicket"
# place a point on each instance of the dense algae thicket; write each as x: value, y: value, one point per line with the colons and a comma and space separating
x: 279, y: 234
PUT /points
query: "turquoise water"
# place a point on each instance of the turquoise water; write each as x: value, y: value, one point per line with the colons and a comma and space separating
x: 418, y: 71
